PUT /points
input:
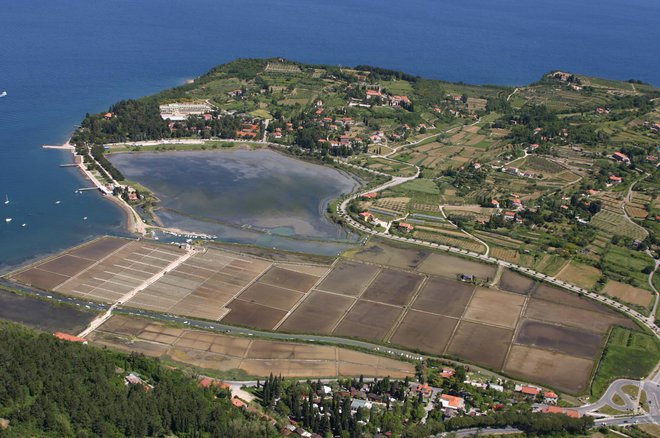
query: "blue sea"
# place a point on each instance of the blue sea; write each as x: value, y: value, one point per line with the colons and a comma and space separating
x: 59, y: 60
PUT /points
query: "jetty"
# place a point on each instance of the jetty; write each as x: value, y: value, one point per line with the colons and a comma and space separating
x: 65, y: 146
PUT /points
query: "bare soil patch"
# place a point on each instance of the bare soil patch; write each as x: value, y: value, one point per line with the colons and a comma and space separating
x: 573, y: 317
x: 628, y: 293
x: 271, y: 296
x: 262, y: 349
x: 41, y: 279
x: 482, y: 344
x: 448, y: 266
x: 319, y: 313
x: 349, y: 278
x: 561, y: 371
x: 494, y: 307
x: 425, y: 331
x: 368, y: 320
x: 567, y: 340
x: 389, y: 255
x: 514, y: 282
x: 289, y: 279
x: 393, y: 287
x: 444, y: 297
x: 253, y: 315
x: 580, y: 274
x: 559, y: 296
x: 100, y: 248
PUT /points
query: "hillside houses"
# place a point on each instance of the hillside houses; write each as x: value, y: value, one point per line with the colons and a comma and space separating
x: 181, y: 111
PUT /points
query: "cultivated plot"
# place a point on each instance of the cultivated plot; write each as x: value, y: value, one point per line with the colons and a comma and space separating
x: 514, y: 282
x: 368, y: 320
x: 349, y: 278
x: 257, y: 357
x: 392, y: 287
x: 494, y: 307
x: 425, y: 331
x: 449, y: 266
x: 567, y: 340
x: 319, y: 313
x: 482, y: 344
x: 564, y: 372
x: 444, y: 297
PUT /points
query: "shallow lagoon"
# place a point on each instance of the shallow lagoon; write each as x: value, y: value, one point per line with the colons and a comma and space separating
x: 244, y: 196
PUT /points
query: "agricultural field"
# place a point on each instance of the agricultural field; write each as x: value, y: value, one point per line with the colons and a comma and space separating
x: 616, y: 224
x: 379, y: 293
x: 220, y: 354
x: 580, y: 274
x: 628, y: 294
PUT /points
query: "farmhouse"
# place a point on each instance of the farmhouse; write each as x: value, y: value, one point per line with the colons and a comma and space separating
x: 615, y: 179
x: 618, y: 156
x: 528, y: 390
x: 374, y: 93
x: 406, y: 227
x: 367, y: 216
x: 401, y: 101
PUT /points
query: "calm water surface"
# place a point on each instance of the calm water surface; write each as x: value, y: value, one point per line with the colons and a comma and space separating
x: 241, y: 195
x: 59, y: 60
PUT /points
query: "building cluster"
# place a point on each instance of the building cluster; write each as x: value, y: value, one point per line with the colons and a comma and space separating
x: 177, y: 112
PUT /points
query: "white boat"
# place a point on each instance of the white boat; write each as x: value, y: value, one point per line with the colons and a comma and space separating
x: 8, y: 220
x: 85, y: 218
x: 57, y: 202
x: 24, y: 225
x: 6, y: 199
x: 3, y: 94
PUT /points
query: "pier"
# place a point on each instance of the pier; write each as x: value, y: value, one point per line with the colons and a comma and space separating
x: 69, y: 165
x: 65, y: 146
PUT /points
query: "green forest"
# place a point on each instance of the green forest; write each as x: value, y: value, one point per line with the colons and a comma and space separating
x: 54, y: 388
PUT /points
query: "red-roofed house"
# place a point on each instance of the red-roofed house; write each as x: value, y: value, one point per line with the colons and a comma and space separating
x: 618, y: 156
x: 495, y: 203
x: 528, y: 390
x: 405, y: 226
x: 373, y: 93
x: 70, y: 338
x: 401, y: 101
x: 366, y: 216
x: 108, y: 115
x: 550, y: 397
x: 452, y: 402
x: 425, y: 390
x: 558, y: 410
x: 238, y: 402
x: 615, y: 179
x: 208, y: 382
x: 371, y: 195
x: 447, y: 373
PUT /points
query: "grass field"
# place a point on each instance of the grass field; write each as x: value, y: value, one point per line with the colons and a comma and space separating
x: 628, y: 354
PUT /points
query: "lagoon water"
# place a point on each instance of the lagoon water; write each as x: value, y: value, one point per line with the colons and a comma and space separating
x: 61, y: 59
x: 241, y: 195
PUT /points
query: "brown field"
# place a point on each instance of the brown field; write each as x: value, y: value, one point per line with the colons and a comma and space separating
x: 271, y: 296
x: 368, y: 320
x: 580, y: 274
x: 444, y: 297
x: 289, y: 279
x: 41, y: 279
x: 389, y: 255
x: 482, y: 344
x: 349, y: 278
x: 563, y: 339
x: 636, y: 211
x: 564, y: 372
x: 493, y: 307
x: 393, y: 287
x: 253, y: 315
x: 425, y: 331
x: 319, y: 313
x: 514, y: 282
x: 628, y: 293
x: 450, y: 266
x: 574, y: 317
x: 559, y: 296
x: 256, y: 357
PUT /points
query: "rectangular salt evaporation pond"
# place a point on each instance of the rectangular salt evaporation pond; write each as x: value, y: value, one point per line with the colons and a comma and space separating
x: 241, y: 194
x: 42, y: 315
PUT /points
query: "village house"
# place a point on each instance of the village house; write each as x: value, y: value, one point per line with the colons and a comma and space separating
x: 235, y: 93
x: 528, y: 390
x: 558, y: 410
x: 374, y: 93
x: 403, y: 101
x: 550, y: 397
x: 619, y: 156
x: 367, y: 216
x: 495, y: 203
x: 452, y: 402
x: 447, y: 372
x: 405, y: 227
x: 425, y: 390
x: 615, y: 179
